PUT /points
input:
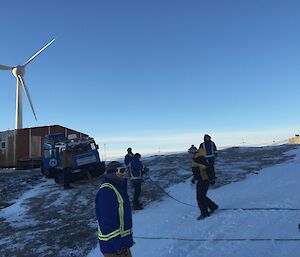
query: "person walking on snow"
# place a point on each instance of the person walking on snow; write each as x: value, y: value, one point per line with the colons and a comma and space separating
x: 210, y: 150
x: 137, y: 180
x: 113, y: 213
x: 128, y: 159
x: 203, y: 175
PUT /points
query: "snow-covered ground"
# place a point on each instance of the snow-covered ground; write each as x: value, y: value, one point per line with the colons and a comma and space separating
x: 170, y: 229
x: 40, y: 219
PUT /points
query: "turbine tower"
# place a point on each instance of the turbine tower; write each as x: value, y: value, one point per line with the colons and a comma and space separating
x: 19, y: 72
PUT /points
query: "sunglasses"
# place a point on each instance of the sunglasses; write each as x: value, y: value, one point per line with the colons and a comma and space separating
x: 120, y: 169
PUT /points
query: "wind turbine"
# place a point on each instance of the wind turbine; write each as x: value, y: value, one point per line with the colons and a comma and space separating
x: 19, y: 72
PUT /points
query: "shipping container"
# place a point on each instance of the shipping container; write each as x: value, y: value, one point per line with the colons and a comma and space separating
x: 22, y: 148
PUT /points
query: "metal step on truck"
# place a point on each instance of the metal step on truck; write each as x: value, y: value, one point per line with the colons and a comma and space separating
x: 85, y: 157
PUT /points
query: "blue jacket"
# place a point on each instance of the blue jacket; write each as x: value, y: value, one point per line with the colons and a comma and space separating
x: 211, y: 150
x: 136, y: 171
x: 107, y: 212
x: 128, y: 158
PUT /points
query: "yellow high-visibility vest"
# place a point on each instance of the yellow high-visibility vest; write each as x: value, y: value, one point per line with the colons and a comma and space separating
x: 120, y: 231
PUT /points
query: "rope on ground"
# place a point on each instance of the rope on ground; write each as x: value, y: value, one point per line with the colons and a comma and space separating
x: 225, y: 209
x: 259, y: 209
x: 222, y: 209
x: 217, y: 239
x: 166, y: 193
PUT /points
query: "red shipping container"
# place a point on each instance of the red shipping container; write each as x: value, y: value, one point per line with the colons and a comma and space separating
x: 22, y: 148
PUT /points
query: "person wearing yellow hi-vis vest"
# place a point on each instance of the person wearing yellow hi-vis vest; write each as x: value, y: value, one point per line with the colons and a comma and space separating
x: 203, y: 175
x: 113, y: 213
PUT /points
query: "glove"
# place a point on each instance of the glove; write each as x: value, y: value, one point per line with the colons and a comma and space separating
x: 145, y: 170
x: 212, y: 182
x: 122, y: 252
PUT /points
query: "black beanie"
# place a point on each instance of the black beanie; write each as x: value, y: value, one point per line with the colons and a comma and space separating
x: 112, y: 167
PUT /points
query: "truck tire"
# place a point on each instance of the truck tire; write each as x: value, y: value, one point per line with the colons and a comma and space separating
x: 98, y: 170
x: 102, y: 168
x: 95, y: 172
x: 52, y: 172
x: 59, y: 178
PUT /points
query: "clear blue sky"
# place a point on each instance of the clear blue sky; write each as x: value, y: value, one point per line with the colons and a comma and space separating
x: 156, y: 74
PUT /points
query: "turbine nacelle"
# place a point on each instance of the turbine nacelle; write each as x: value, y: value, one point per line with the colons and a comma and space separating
x: 19, y: 70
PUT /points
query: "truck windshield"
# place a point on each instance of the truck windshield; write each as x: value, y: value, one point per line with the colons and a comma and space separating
x: 82, y: 148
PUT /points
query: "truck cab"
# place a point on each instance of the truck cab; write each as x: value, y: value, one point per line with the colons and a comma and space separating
x: 85, y: 157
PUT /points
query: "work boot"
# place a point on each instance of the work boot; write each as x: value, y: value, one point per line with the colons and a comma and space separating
x: 68, y: 187
x: 202, y: 217
x: 138, y: 207
x: 212, y: 210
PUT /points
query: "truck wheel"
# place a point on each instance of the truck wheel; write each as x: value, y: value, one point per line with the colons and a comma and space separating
x: 98, y: 171
x: 102, y: 167
x: 95, y: 172
x: 52, y: 172
x: 59, y: 178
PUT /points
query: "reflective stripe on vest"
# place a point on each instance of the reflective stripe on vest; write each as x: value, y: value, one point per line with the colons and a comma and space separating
x: 136, y: 177
x: 120, y: 231
x: 139, y: 177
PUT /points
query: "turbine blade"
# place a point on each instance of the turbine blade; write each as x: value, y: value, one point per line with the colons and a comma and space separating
x: 3, y: 67
x: 38, y: 52
x: 27, y: 93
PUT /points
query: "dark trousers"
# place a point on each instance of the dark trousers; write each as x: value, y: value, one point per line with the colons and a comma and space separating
x: 67, y: 176
x: 203, y: 201
x: 137, y: 192
x: 211, y: 162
